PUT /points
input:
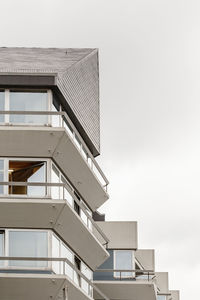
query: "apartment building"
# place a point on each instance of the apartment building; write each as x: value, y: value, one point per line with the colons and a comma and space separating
x: 51, y: 242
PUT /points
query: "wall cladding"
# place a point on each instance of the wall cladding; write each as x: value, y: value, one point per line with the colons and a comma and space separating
x: 80, y: 87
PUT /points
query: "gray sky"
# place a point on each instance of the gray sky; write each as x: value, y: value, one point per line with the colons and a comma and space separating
x: 150, y: 111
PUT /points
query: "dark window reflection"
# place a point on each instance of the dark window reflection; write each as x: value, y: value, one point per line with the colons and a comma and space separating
x: 27, y: 171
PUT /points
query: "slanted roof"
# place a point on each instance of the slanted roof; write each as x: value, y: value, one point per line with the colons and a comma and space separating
x: 40, y: 60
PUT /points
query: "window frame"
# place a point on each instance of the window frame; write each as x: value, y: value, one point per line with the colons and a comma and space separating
x: 7, y: 105
x: 121, y: 273
x: 6, y: 177
x: 6, y: 266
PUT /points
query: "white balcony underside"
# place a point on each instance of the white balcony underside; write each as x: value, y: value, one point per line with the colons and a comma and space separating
x: 56, y: 144
x: 120, y: 290
x: 56, y: 215
x: 38, y: 286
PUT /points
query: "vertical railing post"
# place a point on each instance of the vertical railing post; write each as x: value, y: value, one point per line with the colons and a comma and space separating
x: 63, y: 267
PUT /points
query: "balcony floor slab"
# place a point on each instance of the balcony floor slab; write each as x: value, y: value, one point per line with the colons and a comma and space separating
x: 120, y: 290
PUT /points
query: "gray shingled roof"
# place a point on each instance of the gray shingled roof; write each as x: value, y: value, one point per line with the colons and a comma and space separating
x: 40, y: 60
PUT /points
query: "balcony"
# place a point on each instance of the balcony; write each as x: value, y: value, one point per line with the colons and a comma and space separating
x: 60, y: 210
x: 22, y: 131
x: 66, y: 283
x: 125, y: 284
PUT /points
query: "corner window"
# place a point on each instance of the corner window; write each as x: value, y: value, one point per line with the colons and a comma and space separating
x: 27, y: 171
x: 28, y: 101
x: 28, y: 244
x: 124, y: 260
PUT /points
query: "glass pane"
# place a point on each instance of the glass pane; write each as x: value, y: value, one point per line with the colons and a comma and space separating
x: 84, y: 153
x: 29, y: 101
x: 66, y: 253
x: 1, y: 164
x: 67, y: 195
x: 55, y: 119
x: 124, y: 261
x: 88, y: 273
x: 1, y: 186
x: 55, y: 190
x: 77, y: 142
x: 1, y: 247
x: 27, y: 171
x: 28, y: 244
x: 68, y: 127
x: 1, y: 176
x: 84, y: 217
x: 55, y: 253
x: 77, y: 264
x: 161, y: 297
x: 2, y: 105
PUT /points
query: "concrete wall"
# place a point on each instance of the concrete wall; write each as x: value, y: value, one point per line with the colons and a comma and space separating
x: 175, y: 295
x: 146, y: 257
x: 162, y: 282
x: 122, y: 235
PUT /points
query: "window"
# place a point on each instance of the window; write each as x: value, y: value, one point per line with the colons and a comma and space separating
x: 2, y: 105
x: 60, y: 192
x: 76, y: 205
x: 124, y: 260
x: 55, y: 178
x: 55, y: 253
x: 66, y: 253
x: 161, y: 297
x: 27, y: 171
x: 77, y: 277
x: 84, y: 284
x: 28, y: 244
x: 28, y: 101
x: 1, y: 246
x: 1, y: 176
x: 41, y: 243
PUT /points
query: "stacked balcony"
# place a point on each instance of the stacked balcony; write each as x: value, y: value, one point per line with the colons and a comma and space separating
x: 50, y: 184
x: 129, y: 272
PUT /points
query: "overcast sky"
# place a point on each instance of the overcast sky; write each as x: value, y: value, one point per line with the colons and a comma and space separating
x: 150, y: 111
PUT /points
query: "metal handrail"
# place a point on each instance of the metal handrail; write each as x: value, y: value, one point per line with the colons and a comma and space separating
x: 59, y: 259
x: 64, y: 114
x: 151, y: 272
x: 47, y: 184
x: 120, y: 271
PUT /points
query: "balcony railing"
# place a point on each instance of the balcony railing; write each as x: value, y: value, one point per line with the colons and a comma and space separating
x: 89, y: 222
x: 124, y: 275
x: 68, y: 270
x: 63, y: 121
